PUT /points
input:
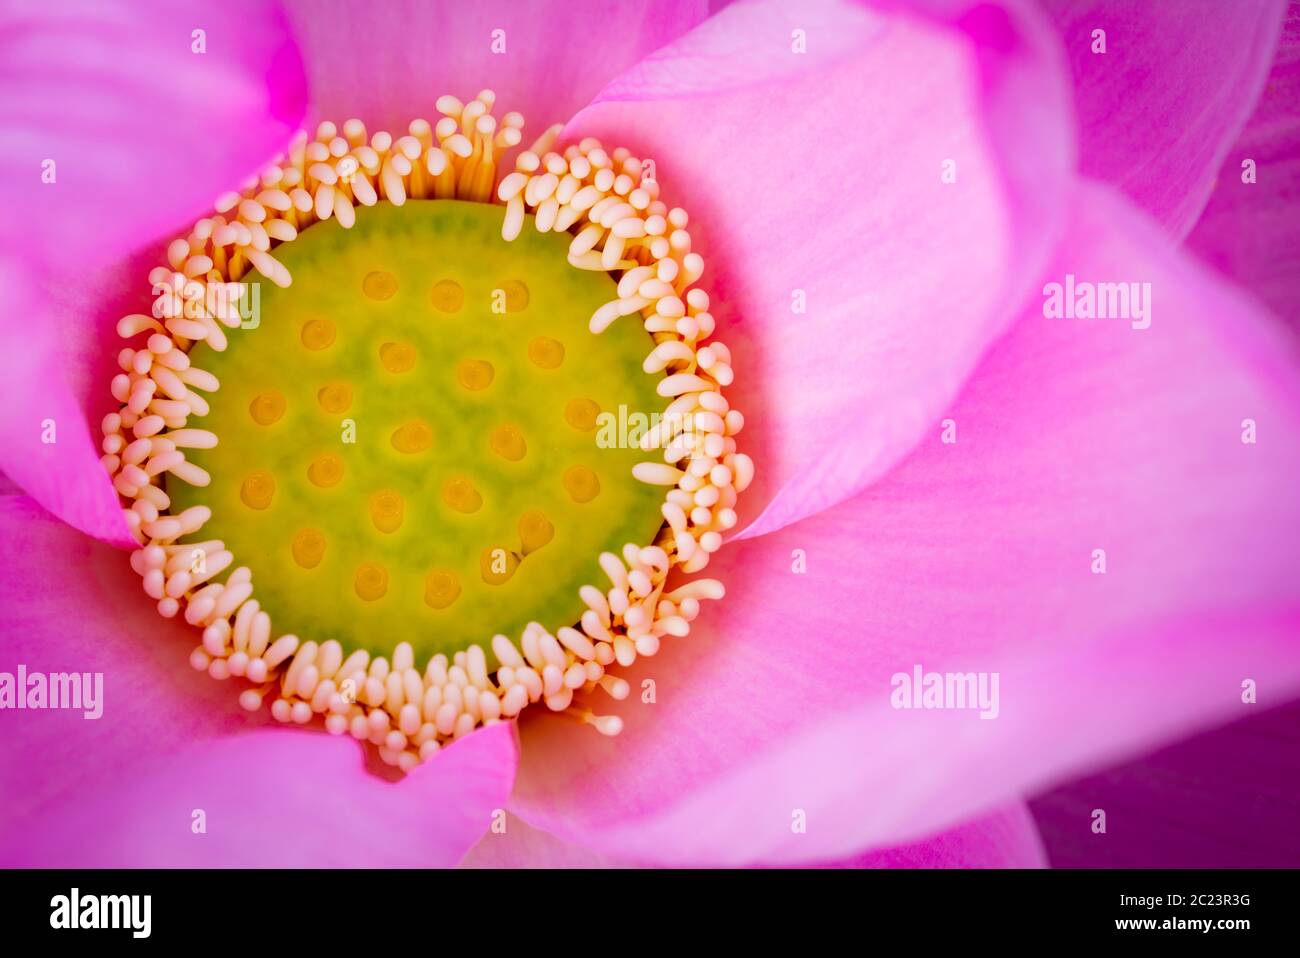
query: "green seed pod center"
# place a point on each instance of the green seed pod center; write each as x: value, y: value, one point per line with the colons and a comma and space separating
x: 408, y: 437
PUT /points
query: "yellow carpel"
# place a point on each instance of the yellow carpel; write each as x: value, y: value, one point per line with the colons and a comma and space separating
x: 497, y: 565
x: 413, y: 437
x: 379, y: 285
x: 371, y: 581
x: 397, y: 357
x: 459, y: 493
x: 335, y: 397
x: 546, y: 353
x: 508, y: 443
x: 474, y: 374
x: 267, y: 408
x: 318, y: 334
x: 387, y: 510
x: 581, y: 484
x: 581, y: 414
x: 516, y: 295
x: 308, y: 548
x: 447, y: 296
x: 325, y: 471
x: 441, y: 588
x: 535, y: 530
x: 258, y: 489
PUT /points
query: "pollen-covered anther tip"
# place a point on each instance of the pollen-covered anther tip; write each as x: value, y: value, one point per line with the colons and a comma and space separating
x: 610, y: 725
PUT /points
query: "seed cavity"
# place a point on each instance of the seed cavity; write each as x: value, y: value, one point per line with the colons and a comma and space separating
x: 387, y: 510
x: 474, y: 374
x: 258, y: 489
x: 535, y: 530
x: 308, y: 548
x: 581, y: 414
x: 581, y: 484
x: 459, y: 493
x: 498, y: 564
x: 447, y: 296
x: 318, y: 334
x: 413, y: 437
x: 397, y: 357
x: 325, y: 471
x: 379, y: 285
x: 371, y: 581
x: 267, y: 408
x: 335, y: 398
x: 546, y: 353
x: 508, y: 443
x: 441, y: 588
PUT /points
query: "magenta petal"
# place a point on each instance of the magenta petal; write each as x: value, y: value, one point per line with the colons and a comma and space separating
x: 46, y: 445
x: 1160, y: 108
x: 1006, y: 838
x: 121, y: 790
x: 1224, y: 799
x: 817, y: 177
x: 1251, y: 228
x: 977, y: 556
x: 387, y: 63
x: 144, y: 132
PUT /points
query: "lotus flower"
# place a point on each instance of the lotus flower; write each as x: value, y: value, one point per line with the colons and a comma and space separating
x: 951, y: 476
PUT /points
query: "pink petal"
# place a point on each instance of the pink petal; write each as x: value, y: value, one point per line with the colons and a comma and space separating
x: 1224, y: 799
x: 46, y: 445
x: 827, y: 181
x: 388, y: 63
x: 280, y: 798
x: 120, y: 791
x: 1251, y: 231
x: 976, y: 556
x: 522, y: 846
x: 144, y: 133
x: 1007, y: 838
x: 1159, y: 109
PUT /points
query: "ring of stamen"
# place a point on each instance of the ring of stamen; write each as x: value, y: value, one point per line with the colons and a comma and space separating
x: 610, y: 206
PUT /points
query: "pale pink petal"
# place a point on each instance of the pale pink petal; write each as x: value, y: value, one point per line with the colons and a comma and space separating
x: 122, y: 790
x: 1007, y: 838
x: 387, y: 63
x: 46, y: 445
x: 977, y: 556
x: 820, y: 181
x: 1251, y: 228
x: 1224, y: 799
x: 1160, y: 107
x: 143, y: 131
